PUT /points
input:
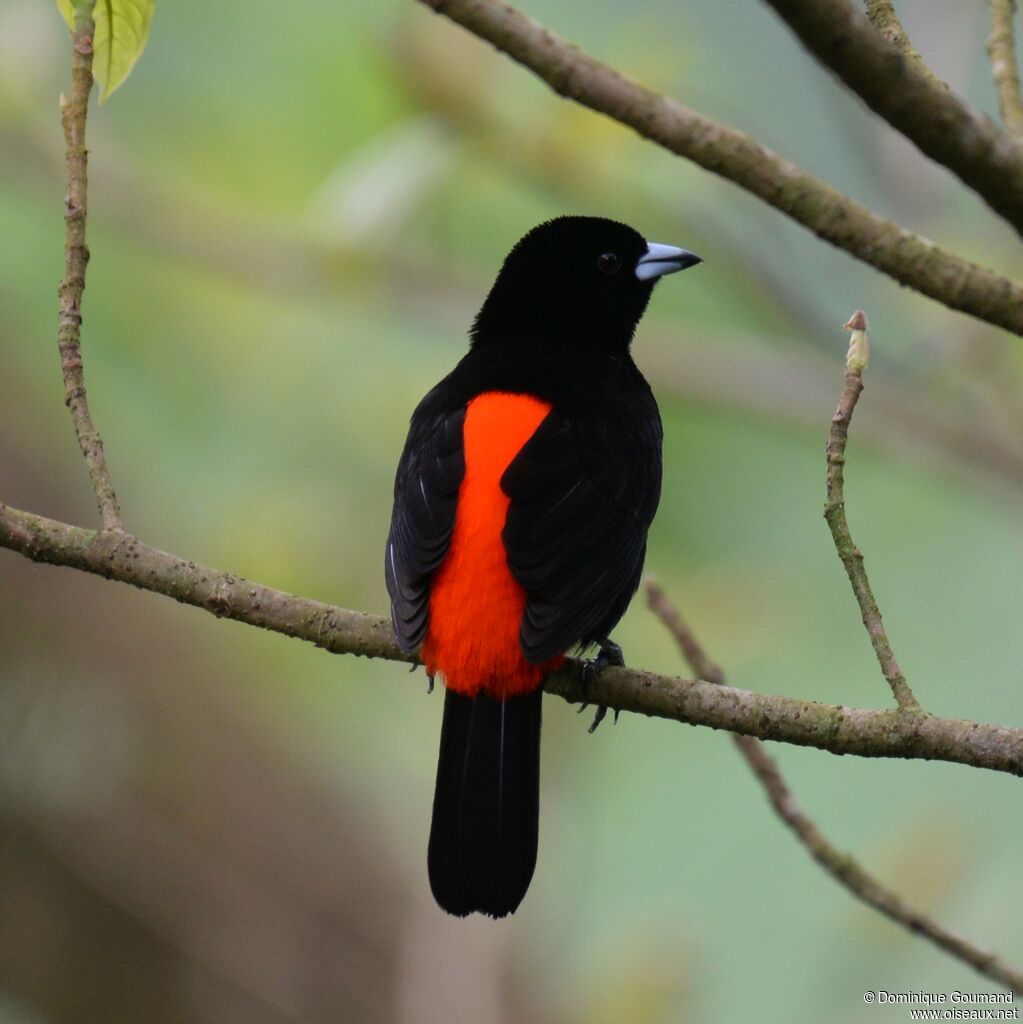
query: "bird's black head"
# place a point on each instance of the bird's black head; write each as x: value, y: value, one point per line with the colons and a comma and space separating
x: 579, y: 282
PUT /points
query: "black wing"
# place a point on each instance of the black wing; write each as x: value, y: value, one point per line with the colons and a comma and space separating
x: 583, y: 492
x: 425, y: 497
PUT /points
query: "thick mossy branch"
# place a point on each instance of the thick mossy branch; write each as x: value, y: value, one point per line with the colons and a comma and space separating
x: 932, y: 117
x: 833, y: 216
x: 841, y: 730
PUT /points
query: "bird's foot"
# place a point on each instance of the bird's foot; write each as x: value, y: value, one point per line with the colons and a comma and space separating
x: 429, y: 678
x: 609, y: 654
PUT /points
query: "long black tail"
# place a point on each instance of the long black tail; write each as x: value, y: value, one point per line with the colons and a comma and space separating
x: 486, y: 804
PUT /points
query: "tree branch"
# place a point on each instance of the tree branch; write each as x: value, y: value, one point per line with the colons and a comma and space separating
x: 906, y: 733
x: 842, y: 867
x: 76, y: 256
x: 841, y: 730
x: 907, y: 258
x: 1001, y: 48
x: 834, y: 513
x: 883, y: 17
x: 937, y: 121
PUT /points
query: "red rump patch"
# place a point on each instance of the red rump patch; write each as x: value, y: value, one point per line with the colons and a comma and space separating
x: 475, y: 604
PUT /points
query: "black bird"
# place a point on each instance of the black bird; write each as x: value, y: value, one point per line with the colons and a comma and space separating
x: 529, y: 479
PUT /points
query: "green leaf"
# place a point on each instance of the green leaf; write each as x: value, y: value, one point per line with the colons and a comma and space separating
x: 67, y: 9
x: 122, y: 27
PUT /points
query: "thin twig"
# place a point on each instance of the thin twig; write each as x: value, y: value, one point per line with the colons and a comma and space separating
x: 841, y: 730
x: 937, y: 121
x: 913, y: 261
x: 883, y: 17
x: 1001, y: 48
x: 76, y: 256
x: 834, y: 513
x: 842, y: 867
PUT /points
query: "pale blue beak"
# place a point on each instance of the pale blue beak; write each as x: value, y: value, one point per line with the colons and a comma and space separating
x: 659, y: 260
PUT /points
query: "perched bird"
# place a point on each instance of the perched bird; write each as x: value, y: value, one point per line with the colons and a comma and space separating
x: 522, y: 500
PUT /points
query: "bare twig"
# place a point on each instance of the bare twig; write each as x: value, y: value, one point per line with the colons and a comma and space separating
x: 1001, y: 48
x: 76, y: 256
x: 937, y: 121
x: 842, y: 867
x: 883, y: 17
x: 834, y: 513
x: 841, y: 730
x: 913, y: 261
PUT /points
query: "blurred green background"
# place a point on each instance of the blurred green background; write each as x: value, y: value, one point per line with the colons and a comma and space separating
x: 295, y: 211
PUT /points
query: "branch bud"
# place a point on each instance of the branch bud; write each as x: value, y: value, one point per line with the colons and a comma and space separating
x: 859, y: 347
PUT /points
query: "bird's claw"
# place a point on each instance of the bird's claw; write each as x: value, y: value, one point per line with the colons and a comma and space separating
x: 600, y: 715
x: 609, y: 654
x: 429, y: 678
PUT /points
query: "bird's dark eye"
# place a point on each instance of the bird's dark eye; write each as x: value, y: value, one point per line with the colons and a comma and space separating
x: 609, y: 263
